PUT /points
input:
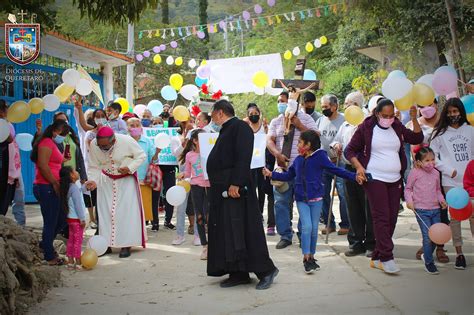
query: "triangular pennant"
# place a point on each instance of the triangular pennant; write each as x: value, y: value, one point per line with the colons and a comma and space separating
x: 216, y: 30
x: 140, y: 35
x: 302, y: 15
x: 261, y: 20
x: 269, y: 19
x: 310, y: 14
x: 149, y: 34
x: 278, y: 19
x: 157, y: 33
x: 318, y: 13
x: 172, y: 33
x: 334, y: 8
x: 254, y: 22
x: 180, y: 32
x: 231, y: 26
x: 286, y: 17
x: 293, y: 16
x: 326, y: 10
x: 164, y: 34
x: 188, y: 32
x: 194, y: 30
x: 247, y: 24
x: 238, y: 25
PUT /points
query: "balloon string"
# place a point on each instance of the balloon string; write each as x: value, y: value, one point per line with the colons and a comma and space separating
x: 421, y: 220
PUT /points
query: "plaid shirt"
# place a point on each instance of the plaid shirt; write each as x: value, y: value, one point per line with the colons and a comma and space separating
x: 277, y: 129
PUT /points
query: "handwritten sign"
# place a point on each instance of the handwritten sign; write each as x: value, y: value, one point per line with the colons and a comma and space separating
x: 166, y: 156
x: 95, y: 85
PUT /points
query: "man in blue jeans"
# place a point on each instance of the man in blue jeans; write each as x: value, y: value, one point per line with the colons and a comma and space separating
x: 284, y: 149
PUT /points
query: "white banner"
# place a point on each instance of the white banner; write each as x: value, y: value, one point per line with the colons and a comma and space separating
x: 207, y: 141
x: 234, y: 75
x: 166, y: 156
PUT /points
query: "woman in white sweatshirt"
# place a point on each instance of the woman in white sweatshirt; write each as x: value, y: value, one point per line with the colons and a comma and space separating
x: 453, y: 143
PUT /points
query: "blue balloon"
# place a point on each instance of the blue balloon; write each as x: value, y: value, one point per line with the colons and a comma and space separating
x: 457, y: 198
x: 24, y: 141
x: 468, y: 101
x: 199, y: 82
x: 309, y: 75
x: 155, y: 107
x: 396, y: 74
x: 168, y: 93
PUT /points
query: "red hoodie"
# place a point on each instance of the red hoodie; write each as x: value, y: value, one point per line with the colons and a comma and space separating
x: 468, y: 179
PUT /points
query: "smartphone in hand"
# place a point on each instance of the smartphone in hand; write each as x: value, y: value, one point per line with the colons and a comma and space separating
x: 369, y: 177
x: 67, y: 152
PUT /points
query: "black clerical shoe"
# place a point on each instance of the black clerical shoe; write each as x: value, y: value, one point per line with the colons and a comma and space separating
x: 283, y: 243
x: 234, y: 281
x: 267, y: 281
x: 124, y: 252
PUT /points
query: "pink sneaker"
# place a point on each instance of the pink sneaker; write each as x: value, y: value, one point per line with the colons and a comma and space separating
x: 197, y: 241
x: 271, y: 231
x: 178, y: 240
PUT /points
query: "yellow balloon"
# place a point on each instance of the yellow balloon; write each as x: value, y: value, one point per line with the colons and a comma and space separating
x: 185, y: 184
x: 178, y: 61
x: 18, y: 112
x: 323, y: 40
x: 309, y: 47
x: 63, y: 92
x: 260, y: 79
x: 470, y: 118
x: 424, y: 95
x: 181, y: 113
x: 287, y: 55
x: 203, y: 62
x: 405, y: 102
x: 176, y: 81
x: 124, y: 103
x: 157, y: 59
x: 354, y: 115
x: 36, y: 105
x: 89, y: 258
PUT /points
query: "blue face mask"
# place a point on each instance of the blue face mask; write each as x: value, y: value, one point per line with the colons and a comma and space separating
x: 215, y: 126
x: 59, y: 139
x: 146, y: 122
x: 282, y: 107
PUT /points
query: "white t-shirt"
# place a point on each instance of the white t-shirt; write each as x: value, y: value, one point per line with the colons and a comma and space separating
x: 384, y: 163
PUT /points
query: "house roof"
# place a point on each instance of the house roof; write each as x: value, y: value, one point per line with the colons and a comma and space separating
x: 77, y: 51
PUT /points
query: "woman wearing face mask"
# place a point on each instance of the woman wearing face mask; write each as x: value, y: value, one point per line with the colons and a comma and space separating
x: 48, y: 160
x: 452, y: 142
x: 377, y: 148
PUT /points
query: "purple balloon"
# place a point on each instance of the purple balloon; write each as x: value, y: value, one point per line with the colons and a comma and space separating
x: 139, y: 57
x: 222, y: 25
x: 246, y: 15
x: 146, y: 54
x: 156, y: 49
x: 445, y: 82
x: 271, y: 3
x: 162, y: 47
x: 258, y: 9
x: 203, y: 72
x: 174, y: 44
x: 201, y: 34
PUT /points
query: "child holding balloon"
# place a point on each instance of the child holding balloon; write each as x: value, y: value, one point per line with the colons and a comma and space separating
x: 72, y: 203
x: 423, y: 195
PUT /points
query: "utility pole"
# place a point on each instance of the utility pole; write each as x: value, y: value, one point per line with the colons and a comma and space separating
x: 130, y: 67
x: 456, y: 49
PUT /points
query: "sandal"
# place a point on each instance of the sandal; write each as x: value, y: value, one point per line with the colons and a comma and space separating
x: 70, y: 266
x: 56, y: 262
x: 78, y: 268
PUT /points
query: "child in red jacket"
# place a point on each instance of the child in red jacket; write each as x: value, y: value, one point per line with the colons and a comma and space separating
x: 468, y: 180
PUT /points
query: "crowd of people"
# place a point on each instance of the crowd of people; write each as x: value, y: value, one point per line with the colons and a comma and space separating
x: 389, y: 158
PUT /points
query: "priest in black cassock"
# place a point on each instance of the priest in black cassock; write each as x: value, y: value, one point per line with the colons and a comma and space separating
x: 237, y: 243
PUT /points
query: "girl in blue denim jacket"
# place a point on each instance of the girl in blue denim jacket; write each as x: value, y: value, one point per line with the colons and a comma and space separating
x: 307, y: 171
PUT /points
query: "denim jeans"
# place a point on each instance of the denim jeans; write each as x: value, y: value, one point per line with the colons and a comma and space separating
x: 283, y: 208
x: 309, y: 219
x: 18, y: 206
x: 181, y: 217
x: 327, y: 179
x: 429, y: 217
x: 52, y: 217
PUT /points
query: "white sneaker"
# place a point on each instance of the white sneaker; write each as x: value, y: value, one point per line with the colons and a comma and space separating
x: 197, y: 241
x: 390, y: 267
x: 204, y: 253
x: 178, y: 240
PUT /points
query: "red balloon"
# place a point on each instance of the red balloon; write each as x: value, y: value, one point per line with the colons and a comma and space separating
x: 439, y: 233
x: 461, y: 214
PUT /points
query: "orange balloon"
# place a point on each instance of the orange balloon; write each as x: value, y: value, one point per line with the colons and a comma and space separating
x: 406, y: 102
x: 440, y: 233
x: 89, y: 258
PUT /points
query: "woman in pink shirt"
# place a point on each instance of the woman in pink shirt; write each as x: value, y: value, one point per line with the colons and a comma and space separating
x: 423, y: 195
x: 48, y: 160
x: 199, y: 185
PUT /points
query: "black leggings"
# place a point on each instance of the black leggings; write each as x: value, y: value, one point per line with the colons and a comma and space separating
x: 201, y: 208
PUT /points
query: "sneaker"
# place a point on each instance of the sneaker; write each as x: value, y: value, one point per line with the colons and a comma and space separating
x: 155, y: 227
x: 375, y: 264
x: 389, y: 266
x: 283, y: 244
x: 197, y: 241
x: 271, y: 231
x: 369, y: 253
x: 169, y: 226
x: 315, y: 265
x: 93, y: 225
x: 460, y: 262
x: 308, y: 266
x: 178, y: 240
x: 204, y: 253
x: 355, y: 252
x: 431, y: 269
x: 331, y: 230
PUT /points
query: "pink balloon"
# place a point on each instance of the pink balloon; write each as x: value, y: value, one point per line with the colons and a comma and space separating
x: 139, y: 109
x: 440, y: 233
x: 146, y: 54
x: 271, y: 3
x: 156, y: 49
x: 162, y: 47
x: 139, y: 57
x: 452, y: 95
x: 222, y: 25
x: 258, y: 9
x: 201, y: 35
x: 246, y: 15
x: 446, y: 69
x: 445, y: 82
x: 174, y: 44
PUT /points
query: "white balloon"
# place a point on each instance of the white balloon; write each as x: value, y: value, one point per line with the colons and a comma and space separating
x: 71, y: 77
x: 4, y: 130
x: 51, y: 102
x: 272, y: 91
x: 98, y: 243
x: 373, y: 102
x: 192, y: 64
x: 162, y: 140
x: 24, y: 141
x: 426, y: 79
x: 189, y: 91
x: 396, y: 88
x: 259, y: 91
x: 83, y: 87
x: 317, y: 43
x: 170, y: 60
x: 176, y: 195
x: 296, y: 51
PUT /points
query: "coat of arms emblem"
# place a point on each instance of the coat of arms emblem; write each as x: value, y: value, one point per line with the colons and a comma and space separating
x: 22, y: 42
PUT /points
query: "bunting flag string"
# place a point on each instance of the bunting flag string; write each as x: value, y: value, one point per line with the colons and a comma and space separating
x: 247, y: 19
